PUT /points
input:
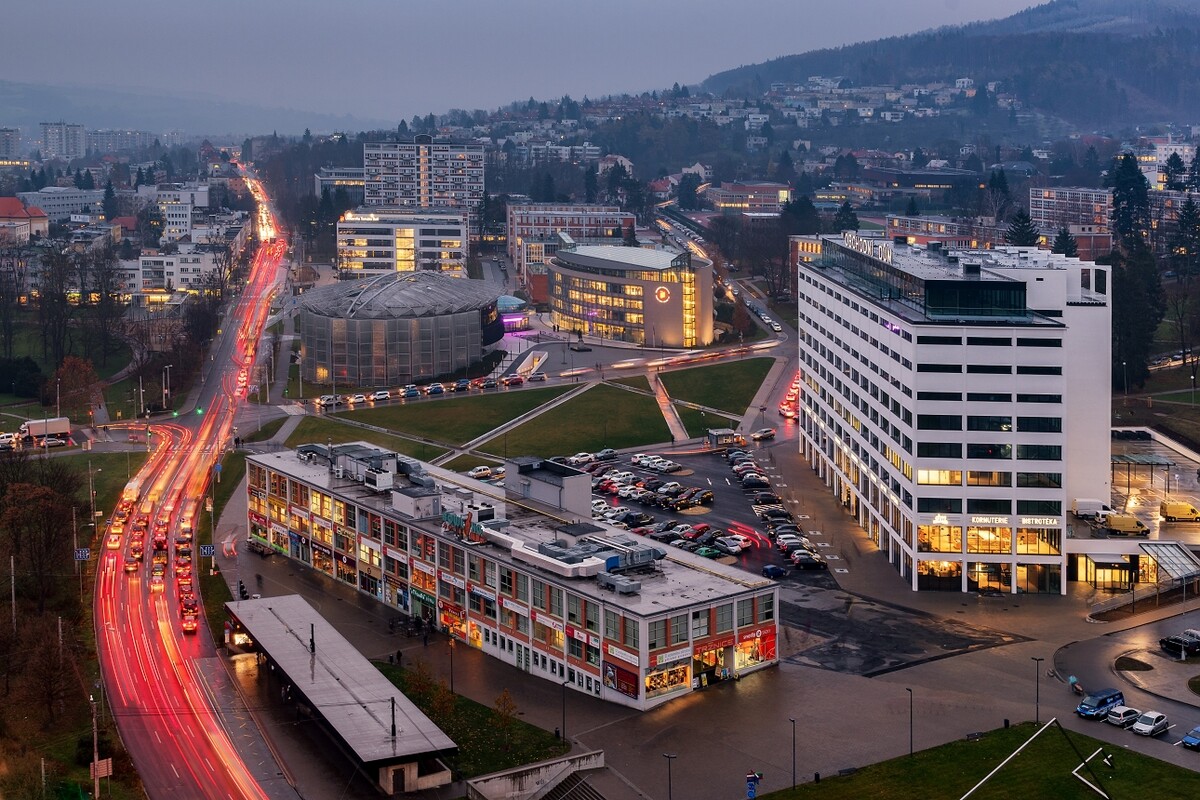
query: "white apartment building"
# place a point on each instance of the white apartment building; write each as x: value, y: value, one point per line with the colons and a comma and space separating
x: 1054, y: 207
x: 376, y: 239
x: 537, y: 223
x: 956, y: 403
x: 176, y: 203
x: 10, y: 143
x: 423, y: 173
x: 186, y: 269
x: 63, y: 140
x: 115, y: 141
x: 60, y: 202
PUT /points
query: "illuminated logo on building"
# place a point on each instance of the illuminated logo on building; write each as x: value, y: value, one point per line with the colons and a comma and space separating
x: 662, y: 294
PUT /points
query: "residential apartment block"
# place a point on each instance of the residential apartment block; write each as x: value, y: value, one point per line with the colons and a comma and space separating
x: 63, y: 140
x: 373, y: 240
x: 1052, y: 208
x: 348, y: 179
x: 517, y: 571
x: 60, y: 202
x: 10, y: 143
x: 749, y: 196
x: 956, y: 402
x: 423, y: 173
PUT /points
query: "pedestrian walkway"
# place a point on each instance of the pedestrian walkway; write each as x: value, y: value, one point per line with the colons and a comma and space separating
x: 678, y: 432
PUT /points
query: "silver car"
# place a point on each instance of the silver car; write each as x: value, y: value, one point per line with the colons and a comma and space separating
x: 1151, y: 723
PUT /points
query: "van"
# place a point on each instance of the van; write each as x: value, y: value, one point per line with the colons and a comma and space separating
x: 1088, y: 508
x: 1175, y: 510
x: 1125, y: 525
x: 1097, y: 704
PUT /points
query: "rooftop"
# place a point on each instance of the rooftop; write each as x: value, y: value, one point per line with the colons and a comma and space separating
x: 607, y: 256
x: 396, y: 295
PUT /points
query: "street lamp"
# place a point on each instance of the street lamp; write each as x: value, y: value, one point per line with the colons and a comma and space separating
x: 910, y: 720
x: 564, y: 710
x: 1037, y: 689
x: 793, y: 721
x: 1193, y: 388
x: 166, y: 384
x: 58, y: 397
x: 451, y: 645
x: 669, y: 757
x: 1125, y: 380
x: 92, y: 487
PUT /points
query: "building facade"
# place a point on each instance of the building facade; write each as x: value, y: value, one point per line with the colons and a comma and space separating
x: 112, y: 141
x: 348, y: 179
x: 656, y: 298
x: 424, y: 173
x: 375, y: 240
x: 10, y: 143
x: 60, y: 202
x: 956, y: 402
x: 762, y: 197
x: 531, y: 237
x: 63, y: 140
x: 1055, y: 207
x: 498, y: 569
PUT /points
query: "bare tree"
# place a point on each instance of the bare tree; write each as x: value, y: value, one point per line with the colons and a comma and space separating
x: 37, y: 521
x: 50, y: 663
x: 54, y: 308
x: 14, y: 264
x: 108, y: 309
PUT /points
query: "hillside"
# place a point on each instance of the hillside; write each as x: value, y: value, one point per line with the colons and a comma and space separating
x: 1091, y: 62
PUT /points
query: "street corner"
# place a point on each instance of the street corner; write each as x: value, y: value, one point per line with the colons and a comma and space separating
x: 1158, y: 673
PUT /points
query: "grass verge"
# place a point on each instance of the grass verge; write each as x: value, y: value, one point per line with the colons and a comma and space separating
x: 698, y: 422
x: 266, y: 431
x: 214, y: 592
x: 640, y: 382
x: 459, y: 420
x: 729, y: 387
x: 323, y: 429
x: 489, y: 739
x: 603, y: 416
x: 1127, y: 664
x: 465, y: 462
x: 1042, y: 770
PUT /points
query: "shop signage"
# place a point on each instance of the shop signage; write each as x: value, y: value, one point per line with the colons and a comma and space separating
x: 514, y: 606
x: 1050, y: 522
x: 989, y: 520
x: 421, y: 566
x: 577, y: 634
x: 258, y: 493
x: 549, y: 622
x: 277, y: 528
x: 324, y: 523
x: 324, y: 550
x: 620, y: 680
x: 424, y: 597
x: 451, y: 609
x: 624, y: 655
x: 673, y: 655
x: 462, y: 527
x: 715, y: 644
x: 940, y: 519
x: 662, y: 294
x: 347, y: 560
x: 453, y: 580
x: 393, y: 581
x: 302, y: 513
x: 396, y: 555
x: 874, y: 248
x: 258, y: 519
x: 483, y: 592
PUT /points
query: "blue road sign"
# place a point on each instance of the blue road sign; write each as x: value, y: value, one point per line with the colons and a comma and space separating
x: 217, y: 467
x: 208, y: 550
x: 83, y: 553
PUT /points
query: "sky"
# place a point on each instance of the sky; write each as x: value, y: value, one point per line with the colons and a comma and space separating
x: 391, y: 59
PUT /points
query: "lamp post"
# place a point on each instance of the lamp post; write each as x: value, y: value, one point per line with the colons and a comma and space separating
x: 793, y: 721
x: 58, y: 397
x: 669, y: 757
x: 1125, y: 380
x: 166, y: 384
x: 451, y: 646
x: 1037, y: 689
x: 1193, y: 388
x: 92, y: 488
x: 910, y: 720
x: 564, y: 710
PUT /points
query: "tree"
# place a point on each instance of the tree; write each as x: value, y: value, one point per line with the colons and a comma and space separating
x: 1193, y: 179
x: 54, y: 307
x: 75, y: 384
x: 689, y: 182
x: 1064, y: 243
x: 109, y: 204
x: 973, y: 163
x: 845, y: 219
x: 1131, y: 203
x: 51, y: 664
x: 37, y: 524
x: 1021, y: 230
x: 912, y: 210
x: 1176, y: 172
x: 590, y: 184
x: 785, y: 168
x: 505, y: 717
x: 919, y: 159
x: 995, y: 201
x: 1185, y: 243
x: 88, y: 181
x: 800, y: 217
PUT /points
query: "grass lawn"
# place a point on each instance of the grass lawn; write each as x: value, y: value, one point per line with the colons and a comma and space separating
x: 465, y: 462
x: 459, y: 420
x: 266, y: 431
x: 1043, y: 770
x: 729, y: 387
x: 636, y: 382
x: 323, y: 429
x: 214, y: 592
x: 603, y: 416
x: 698, y: 422
x: 488, y: 740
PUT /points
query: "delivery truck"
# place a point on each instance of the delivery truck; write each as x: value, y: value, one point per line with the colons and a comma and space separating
x: 1125, y: 525
x: 1088, y: 508
x: 1173, y: 510
x: 39, y: 428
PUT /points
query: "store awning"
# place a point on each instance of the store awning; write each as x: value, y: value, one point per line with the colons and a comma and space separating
x: 1173, y: 558
x: 1142, y: 460
x: 1109, y: 559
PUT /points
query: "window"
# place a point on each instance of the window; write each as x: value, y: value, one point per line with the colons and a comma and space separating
x: 939, y: 368
x: 575, y: 648
x: 989, y: 369
x: 1027, y: 342
x: 657, y: 634
x: 522, y: 587
x: 725, y: 618
x: 939, y: 505
x: 745, y: 613
x: 573, y: 609
x: 989, y: 424
x: 980, y: 505
x: 1039, y: 398
x: 939, y: 340
x: 1039, y: 452
x: 766, y: 608
x: 556, y: 602
x: 953, y: 397
x: 1039, y: 507
x: 1028, y: 370
x: 939, y: 450
x: 612, y: 626
x: 1039, y: 424
x: 939, y: 422
x: 975, y: 478
x: 989, y: 397
x: 700, y: 623
x: 1039, y: 480
x: 939, y: 477
x: 989, y: 341
x: 989, y: 451
x: 679, y: 629
x: 537, y: 594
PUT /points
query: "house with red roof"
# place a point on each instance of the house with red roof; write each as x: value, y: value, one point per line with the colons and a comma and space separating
x: 18, y: 223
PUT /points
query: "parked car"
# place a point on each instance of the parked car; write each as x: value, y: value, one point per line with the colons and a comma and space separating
x: 461, y: 385
x: 766, y: 499
x: 480, y: 472
x: 435, y: 388
x: 356, y: 399
x: 581, y: 458
x: 513, y: 380
x: 1180, y: 646
x: 537, y: 377
x: 1151, y: 723
x: 803, y: 559
x: 411, y: 392
x: 708, y: 552
x: 1123, y: 716
x: 728, y: 545
x: 1191, y: 739
x: 763, y: 434
x: 607, y: 454
x: 774, y: 571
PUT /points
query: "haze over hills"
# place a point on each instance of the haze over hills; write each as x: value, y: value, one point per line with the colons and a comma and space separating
x: 1091, y: 62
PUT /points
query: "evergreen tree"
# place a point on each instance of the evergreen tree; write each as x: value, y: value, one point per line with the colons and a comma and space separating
x: 139, y: 179
x: 1176, y: 172
x: 1064, y: 243
x: 78, y: 179
x: 912, y: 210
x: 800, y: 217
x: 919, y: 159
x: 785, y: 168
x: 1021, y: 230
x: 845, y: 219
x: 1185, y: 243
x: 1138, y: 309
x: 1131, y: 203
x: 1193, y: 179
x: 110, y: 202
x: 590, y: 184
x: 998, y: 182
x: 973, y: 163
x: 88, y: 182
x: 686, y: 192
x: 548, y: 189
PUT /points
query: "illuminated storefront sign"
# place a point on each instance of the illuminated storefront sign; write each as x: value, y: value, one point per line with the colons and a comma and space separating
x: 620, y: 680
x: 624, y: 655
x: 662, y: 294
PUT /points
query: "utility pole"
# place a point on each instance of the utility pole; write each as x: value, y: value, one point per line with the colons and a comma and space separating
x: 95, y: 751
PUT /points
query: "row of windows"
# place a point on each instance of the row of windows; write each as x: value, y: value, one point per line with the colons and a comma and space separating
x: 989, y: 397
x: 989, y: 369
x: 988, y: 505
x: 992, y: 451
x: 954, y: 477
x: 954, y: 422
x: 989, y: 341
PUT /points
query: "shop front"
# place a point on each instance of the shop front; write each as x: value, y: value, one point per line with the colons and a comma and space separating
x: 346, y: 569
x: 452, y: 618
x: 424, y: 605
x: 754, y: 647
x: 711, y: 660
x: 300, y: 547
x: 322, y: 558
x: 395, y: 592
x: 279, y: 539
x: 672, y: 672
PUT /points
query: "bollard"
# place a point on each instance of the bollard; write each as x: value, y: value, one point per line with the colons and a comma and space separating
x: 1006, y: 723
x: 391, y: 659
x: 557, y: 733
x: 816, y: 777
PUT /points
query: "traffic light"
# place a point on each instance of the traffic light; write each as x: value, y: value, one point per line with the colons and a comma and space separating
x: 199, y: 410
x: 174, y: 413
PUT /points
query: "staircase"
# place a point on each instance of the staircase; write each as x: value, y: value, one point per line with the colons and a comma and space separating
x: 574, y: 787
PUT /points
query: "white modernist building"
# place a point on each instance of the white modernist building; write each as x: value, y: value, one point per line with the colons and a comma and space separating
x: 177, y: 203
x: 63, y: 140
x: 60, y: 202
x: 375, y: 240
x: 423, y: 173
x: 956, y: 402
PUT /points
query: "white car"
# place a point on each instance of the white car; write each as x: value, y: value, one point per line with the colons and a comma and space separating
x: 480, y: 472
x: 666, y: 465
x: 775, y: 326
x: 731, y: 545
x: 356, y: 398
x: 1151, y: 723
x: 651, y: 462
x: 581, y: 458
x: 616, y: 511
x: 383, y: 394
x: 744, y: 541
x: 638, y: 458
x: 599, y: 505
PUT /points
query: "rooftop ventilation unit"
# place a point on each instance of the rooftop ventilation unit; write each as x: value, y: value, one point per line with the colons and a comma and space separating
x: 379, y: 480
x: 618, y: 583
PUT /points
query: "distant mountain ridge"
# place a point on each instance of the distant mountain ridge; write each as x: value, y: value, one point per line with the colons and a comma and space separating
x: 1091, y: 62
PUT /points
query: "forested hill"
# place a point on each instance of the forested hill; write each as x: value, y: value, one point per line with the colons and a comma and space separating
x: 1091, y: 62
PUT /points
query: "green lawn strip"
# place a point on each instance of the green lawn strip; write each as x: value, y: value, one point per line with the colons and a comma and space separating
x: 635, y: 382
x: 603, y: 416
x: 214, y: 592
x: 266, y: 431
x: 1043, y: 769
x: 729, y: 386
x: 698, y: 422
x: 320, y: 430
x: 488, y: 741
x: 1175, y: 397
x: 466, y: 461
x: 459, y: 420
x: 1194, y: 685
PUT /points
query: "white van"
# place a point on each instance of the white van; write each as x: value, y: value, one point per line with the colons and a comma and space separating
x: 1089, y: 508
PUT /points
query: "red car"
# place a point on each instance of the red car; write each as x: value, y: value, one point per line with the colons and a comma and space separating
x: 513, y: 380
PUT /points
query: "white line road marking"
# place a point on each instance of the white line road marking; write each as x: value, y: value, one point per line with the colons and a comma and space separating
x: 841, y: 569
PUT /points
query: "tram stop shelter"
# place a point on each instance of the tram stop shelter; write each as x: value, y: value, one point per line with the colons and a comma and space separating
x: 373, y: 723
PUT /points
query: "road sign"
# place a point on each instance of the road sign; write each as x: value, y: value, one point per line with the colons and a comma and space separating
x: 101, y: 769
x: 217, y: 466
x: 208, y: 550
x: 83, y: 553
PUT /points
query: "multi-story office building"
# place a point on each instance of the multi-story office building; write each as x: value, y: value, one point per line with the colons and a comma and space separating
x: 106, y: 141
x: 762, y: 197
x: 375, y: 240
x: 956, y: 402
x: 658, y: 298
x: 63, y: 140
x: 348, y: 179
x: 1055, y: 207
x: 10, y: 143
x: 423, y: 173
x: 519, y: 572
x: 189, y: 268
x: 60, y: 202
x: 1164, y: 217
x: 531, y: 235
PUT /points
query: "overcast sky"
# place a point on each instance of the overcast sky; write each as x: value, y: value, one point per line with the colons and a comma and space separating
x: 390, y: 59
